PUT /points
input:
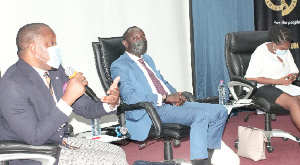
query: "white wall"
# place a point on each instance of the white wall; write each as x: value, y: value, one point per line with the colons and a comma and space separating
x: 77, y: 23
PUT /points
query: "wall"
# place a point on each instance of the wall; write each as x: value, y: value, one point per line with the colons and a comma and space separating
x: 78, y: 23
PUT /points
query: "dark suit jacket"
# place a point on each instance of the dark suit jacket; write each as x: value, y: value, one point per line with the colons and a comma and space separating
x: 134, y: 88
x: 28, y: 112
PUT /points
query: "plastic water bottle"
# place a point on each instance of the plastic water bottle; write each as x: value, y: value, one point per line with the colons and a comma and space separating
x: 222, y: 93
x: 96, y: 129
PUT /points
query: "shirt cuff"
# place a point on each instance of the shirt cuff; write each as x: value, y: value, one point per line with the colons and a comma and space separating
x: 159, y: 100
x: 108, y: 108
x: 64, y: 107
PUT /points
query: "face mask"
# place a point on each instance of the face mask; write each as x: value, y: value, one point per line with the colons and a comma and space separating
x: 280, y: 52
x: 139, y: 47
x: 54, y: 55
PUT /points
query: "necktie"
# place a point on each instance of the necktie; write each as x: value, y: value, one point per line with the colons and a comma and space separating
x: 46, y: 75
x: 160, y: 89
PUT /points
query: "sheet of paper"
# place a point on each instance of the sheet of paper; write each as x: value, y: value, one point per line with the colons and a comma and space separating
x: 292, y: 90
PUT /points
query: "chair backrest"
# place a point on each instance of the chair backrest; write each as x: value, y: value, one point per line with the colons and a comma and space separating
x: 239, y: 47
x: 106, y: 51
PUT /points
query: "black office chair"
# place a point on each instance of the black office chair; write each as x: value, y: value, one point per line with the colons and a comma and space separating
x: 239, y: 47
x: 108, y: 50
x: 11, y: 150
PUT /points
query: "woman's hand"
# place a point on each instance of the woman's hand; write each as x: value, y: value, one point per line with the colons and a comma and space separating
x: 286, y: 80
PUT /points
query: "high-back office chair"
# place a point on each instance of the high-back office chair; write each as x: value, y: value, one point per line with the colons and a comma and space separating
x: 108, y: 50
x: 239, y: 47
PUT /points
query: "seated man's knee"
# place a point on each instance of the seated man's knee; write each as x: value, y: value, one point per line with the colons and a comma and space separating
x: 221, y: 110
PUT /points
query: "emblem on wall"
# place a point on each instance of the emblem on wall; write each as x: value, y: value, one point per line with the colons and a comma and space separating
x: 284, y: 7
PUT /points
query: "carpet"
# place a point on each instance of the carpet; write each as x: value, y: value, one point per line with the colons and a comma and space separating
x: 285, y: 152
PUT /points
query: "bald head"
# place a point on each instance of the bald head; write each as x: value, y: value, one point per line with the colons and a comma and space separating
x: 28, y: 34
x: 126, y: 34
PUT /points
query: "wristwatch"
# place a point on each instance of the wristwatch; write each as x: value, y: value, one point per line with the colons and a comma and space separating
x: 164, y: 98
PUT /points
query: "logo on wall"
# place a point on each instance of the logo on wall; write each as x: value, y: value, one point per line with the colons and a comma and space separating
x: 284, y: 7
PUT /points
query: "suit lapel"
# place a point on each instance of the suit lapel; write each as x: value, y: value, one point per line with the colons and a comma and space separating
x: 34, y: 78
x: 140, y: 76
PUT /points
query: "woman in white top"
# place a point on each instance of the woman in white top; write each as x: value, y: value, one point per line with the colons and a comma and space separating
x: 273, y: 67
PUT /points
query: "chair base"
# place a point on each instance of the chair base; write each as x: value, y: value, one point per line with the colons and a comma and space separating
x: 279, y: 133
x: 275, y: 133
x: 177, y: 161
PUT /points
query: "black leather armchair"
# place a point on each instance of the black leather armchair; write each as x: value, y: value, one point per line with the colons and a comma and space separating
x: 108, y: 50
x: 239, y: 47
x: 11, y: 150
x: 46, y: 154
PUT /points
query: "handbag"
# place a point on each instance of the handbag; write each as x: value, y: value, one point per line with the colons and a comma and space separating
x: 251, y: 143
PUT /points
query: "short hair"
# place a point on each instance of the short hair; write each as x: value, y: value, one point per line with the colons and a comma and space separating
x: 279, y: 34
x: 27, y: 34
x: 125, y: 35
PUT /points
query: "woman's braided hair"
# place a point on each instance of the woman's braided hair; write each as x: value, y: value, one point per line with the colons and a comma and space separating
x: 279, y: 34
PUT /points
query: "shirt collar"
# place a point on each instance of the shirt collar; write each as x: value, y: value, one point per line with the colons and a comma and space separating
x: 41, y: 72
x: 134, y: 57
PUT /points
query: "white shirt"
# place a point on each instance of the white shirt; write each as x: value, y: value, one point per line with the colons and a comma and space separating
x: 159, y: 96
x: 263, y: 63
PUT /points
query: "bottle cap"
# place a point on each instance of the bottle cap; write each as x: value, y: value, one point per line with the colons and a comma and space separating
x: 221, y: 81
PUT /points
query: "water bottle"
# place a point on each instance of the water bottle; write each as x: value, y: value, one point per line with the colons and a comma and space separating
x: 96, y: 129
x: 222, y: 93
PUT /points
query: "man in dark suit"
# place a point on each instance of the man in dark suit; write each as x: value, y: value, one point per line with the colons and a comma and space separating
x: 142, y: 82
x: 35, y: 109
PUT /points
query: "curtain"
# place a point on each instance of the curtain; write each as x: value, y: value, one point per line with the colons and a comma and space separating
x: 211, y: 21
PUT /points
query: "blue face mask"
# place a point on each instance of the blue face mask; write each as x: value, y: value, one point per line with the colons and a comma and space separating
x: 54, y: 55
x: 280, y: 52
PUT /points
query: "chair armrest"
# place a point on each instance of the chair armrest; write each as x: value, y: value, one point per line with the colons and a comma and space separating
x: 189, y: 96
x: 149, y: 109
x: 296, y: 82
x: 242, y: 82
x: 9, y: 146
x: 10, y: 150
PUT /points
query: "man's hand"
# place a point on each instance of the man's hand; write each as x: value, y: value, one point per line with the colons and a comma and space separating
x: 75, y: 88
x: 113, y: 93
x: 176, y: 98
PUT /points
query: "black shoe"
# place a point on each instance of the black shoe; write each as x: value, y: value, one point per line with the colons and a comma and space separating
x: 199, y: 162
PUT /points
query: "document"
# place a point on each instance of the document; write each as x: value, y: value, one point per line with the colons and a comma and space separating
x: 292, y: 90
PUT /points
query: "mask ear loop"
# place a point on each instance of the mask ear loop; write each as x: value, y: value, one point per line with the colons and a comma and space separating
x: 274, y: 48
x: 39, y: 56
